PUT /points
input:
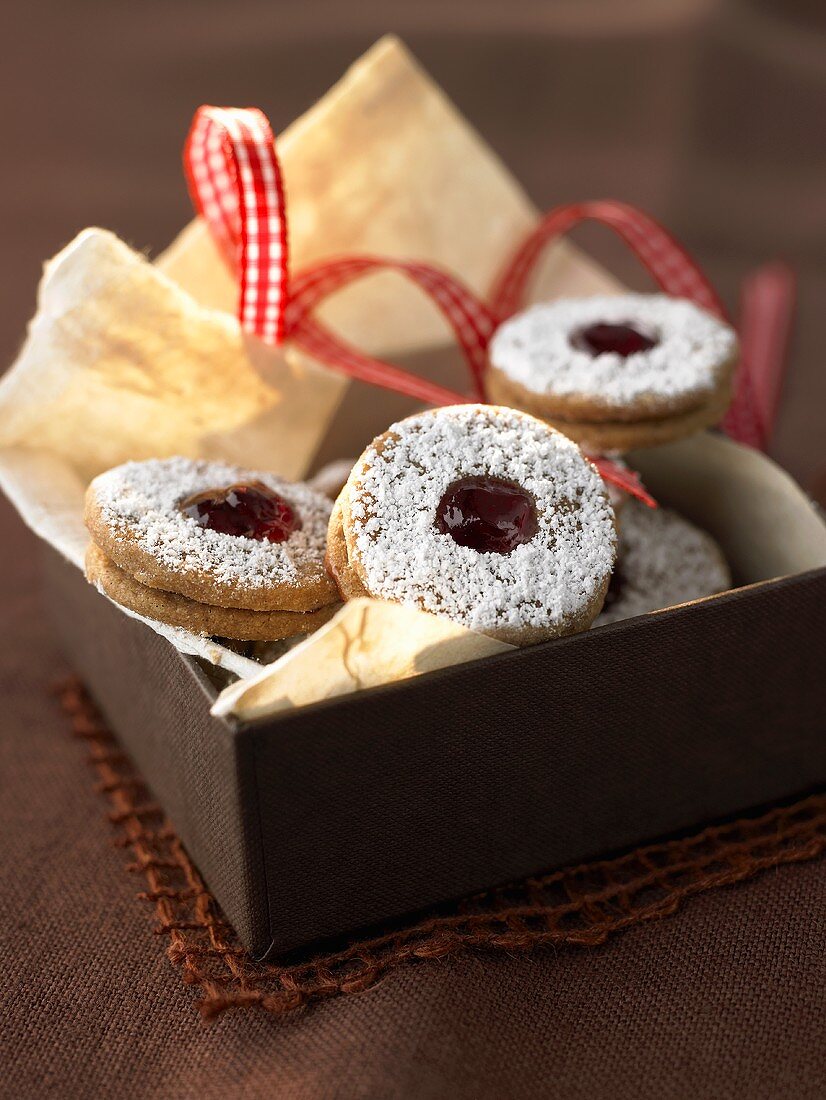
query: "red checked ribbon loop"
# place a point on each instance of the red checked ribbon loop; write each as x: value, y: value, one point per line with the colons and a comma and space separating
x: 235, y: 181
x: 667, y: 261
x: 316, y: 340
x: 472, y: 322
x: 767, y: 301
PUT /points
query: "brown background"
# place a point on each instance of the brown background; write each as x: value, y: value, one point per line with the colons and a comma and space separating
x: 709, y: 114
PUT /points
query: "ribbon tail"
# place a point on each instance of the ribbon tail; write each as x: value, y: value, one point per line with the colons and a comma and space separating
x: 627, y: 480
x: 767, y: 304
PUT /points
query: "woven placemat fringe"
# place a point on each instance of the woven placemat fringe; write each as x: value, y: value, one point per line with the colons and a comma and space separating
x: 576, y: 907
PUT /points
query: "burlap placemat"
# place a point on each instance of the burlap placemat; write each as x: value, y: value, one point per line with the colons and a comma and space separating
x: 577, y: 907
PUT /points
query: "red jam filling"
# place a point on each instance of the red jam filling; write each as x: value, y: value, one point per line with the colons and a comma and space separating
x: 252, y: 510
x: 487, y: 514
x: 621, y: 339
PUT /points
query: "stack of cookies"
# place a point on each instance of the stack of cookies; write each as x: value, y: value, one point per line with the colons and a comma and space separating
x: 211, y: 548
x: 616, y: 373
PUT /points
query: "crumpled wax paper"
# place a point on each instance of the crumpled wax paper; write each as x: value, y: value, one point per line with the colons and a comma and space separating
x: 367, y: 643
x: 120, y: 363
x: 126, y: 359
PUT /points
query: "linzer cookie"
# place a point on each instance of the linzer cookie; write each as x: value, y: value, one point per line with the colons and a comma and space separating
x: 481, y: 514
x: 616, y: 372
x: 211, y: 547
x: 663, y: 560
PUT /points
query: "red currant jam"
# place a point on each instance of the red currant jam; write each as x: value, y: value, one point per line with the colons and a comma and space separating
x: 620, y: 339
x: 487, y: 514
x: 251, y: 510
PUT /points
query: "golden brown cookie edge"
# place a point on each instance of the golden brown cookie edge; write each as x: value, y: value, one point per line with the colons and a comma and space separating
x: 174, y: 609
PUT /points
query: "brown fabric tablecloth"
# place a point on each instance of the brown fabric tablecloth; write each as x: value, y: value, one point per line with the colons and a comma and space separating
x: 725, y: 999
x: 709, y: 114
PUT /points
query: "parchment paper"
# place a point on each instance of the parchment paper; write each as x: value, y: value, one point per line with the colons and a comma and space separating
x: 367, y: 643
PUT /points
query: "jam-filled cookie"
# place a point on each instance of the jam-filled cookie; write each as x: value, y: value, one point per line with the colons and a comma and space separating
x: 211, y: 547
x: 662, y: 560
x: 482, y: 514
x: 616, y: 372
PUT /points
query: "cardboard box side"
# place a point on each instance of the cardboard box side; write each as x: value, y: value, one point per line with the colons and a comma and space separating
x: 445, y: 785
x: 157, y: 702
x: 388, y: 801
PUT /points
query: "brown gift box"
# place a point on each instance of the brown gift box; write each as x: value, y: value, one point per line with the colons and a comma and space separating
x: 336, y: 816
x: 320, y: 820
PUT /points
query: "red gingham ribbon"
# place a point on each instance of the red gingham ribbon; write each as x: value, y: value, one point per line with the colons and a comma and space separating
x: 667, y: 261
x: 472, y: 322
x: 624, y: 478
x: 235, y: 182
x: 316, y: 340
x: 767, y: 300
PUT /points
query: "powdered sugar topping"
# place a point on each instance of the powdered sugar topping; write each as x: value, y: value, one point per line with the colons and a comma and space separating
x: 141, y: 501
x: 394, y: 493
x: 663, y: 560
x: 534, y: 349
